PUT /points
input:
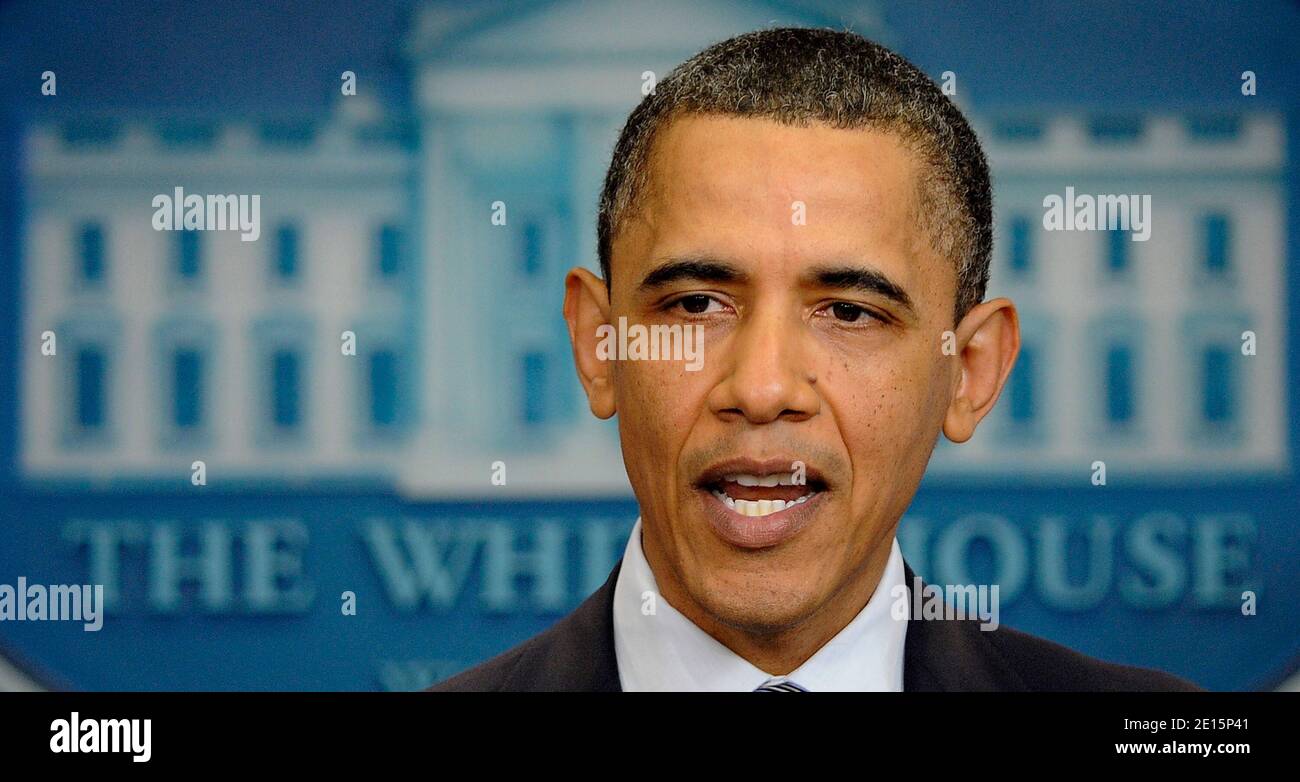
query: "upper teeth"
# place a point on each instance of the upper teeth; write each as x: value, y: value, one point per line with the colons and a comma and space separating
x: 771, y: 479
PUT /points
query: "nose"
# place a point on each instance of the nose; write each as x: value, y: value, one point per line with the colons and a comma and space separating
x: 770, y: 374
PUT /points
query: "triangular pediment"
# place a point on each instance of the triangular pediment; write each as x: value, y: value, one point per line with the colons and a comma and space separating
x: 576, y: 30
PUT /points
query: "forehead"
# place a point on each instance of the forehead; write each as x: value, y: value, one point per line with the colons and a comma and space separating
x: 764, y: 190
x: 712, y: 153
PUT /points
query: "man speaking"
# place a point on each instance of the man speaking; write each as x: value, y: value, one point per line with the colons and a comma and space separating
x: 823, y: 212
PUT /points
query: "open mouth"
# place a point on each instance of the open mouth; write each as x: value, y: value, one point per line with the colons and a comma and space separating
x: 761, y: 489
x: 761, y: 495
x: 760, y: 503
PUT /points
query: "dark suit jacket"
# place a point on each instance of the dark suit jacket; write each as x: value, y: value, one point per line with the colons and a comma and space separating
x: 577, y: 654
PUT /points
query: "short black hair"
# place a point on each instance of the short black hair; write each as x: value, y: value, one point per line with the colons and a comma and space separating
x: 798, y: 76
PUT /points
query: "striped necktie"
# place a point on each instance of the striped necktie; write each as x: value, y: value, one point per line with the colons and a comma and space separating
x: 779, y: 684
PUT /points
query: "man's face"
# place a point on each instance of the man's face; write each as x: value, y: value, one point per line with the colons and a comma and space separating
x: 801, y: 253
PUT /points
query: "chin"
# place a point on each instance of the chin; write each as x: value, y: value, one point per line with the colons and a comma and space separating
x: 756, y: 602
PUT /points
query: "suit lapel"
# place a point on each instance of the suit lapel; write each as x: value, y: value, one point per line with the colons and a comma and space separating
x: 604, y: 669
x: 577, y: 654
x: 942, y: 655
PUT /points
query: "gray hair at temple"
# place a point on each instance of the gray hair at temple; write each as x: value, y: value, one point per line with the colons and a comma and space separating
x: 798, y: 76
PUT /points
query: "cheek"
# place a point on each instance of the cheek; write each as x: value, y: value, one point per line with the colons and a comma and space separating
x: 659, y: 403
x: 886, y: 405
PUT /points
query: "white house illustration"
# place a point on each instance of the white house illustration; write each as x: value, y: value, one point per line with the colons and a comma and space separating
x: 1133, y: 350
x: 174, y: 347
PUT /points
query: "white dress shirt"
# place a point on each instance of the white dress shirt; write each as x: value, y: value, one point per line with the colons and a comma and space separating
x: 665, y: 651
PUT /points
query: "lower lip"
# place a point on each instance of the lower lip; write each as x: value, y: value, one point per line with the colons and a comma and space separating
x: 756, y: 532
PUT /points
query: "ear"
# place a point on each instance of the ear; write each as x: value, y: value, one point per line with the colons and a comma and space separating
x: 586, y: 309
x: 988, y: 341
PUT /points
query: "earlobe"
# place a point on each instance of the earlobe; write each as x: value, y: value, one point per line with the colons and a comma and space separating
x: 586, y: 309
x: 988, y: 341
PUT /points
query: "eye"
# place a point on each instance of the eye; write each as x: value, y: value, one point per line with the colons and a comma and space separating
x: 846, y: 312
x: 697, y: 304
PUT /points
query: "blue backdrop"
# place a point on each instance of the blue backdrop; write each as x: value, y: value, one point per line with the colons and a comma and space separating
x: 370, y: 473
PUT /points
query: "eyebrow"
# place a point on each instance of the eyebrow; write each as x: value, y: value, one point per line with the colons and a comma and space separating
x: 702, y: 269
x: 845, y: 278
x: 858, y: 278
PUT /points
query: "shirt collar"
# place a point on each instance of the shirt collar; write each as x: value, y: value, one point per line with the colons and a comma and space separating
x: 659, y: 649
